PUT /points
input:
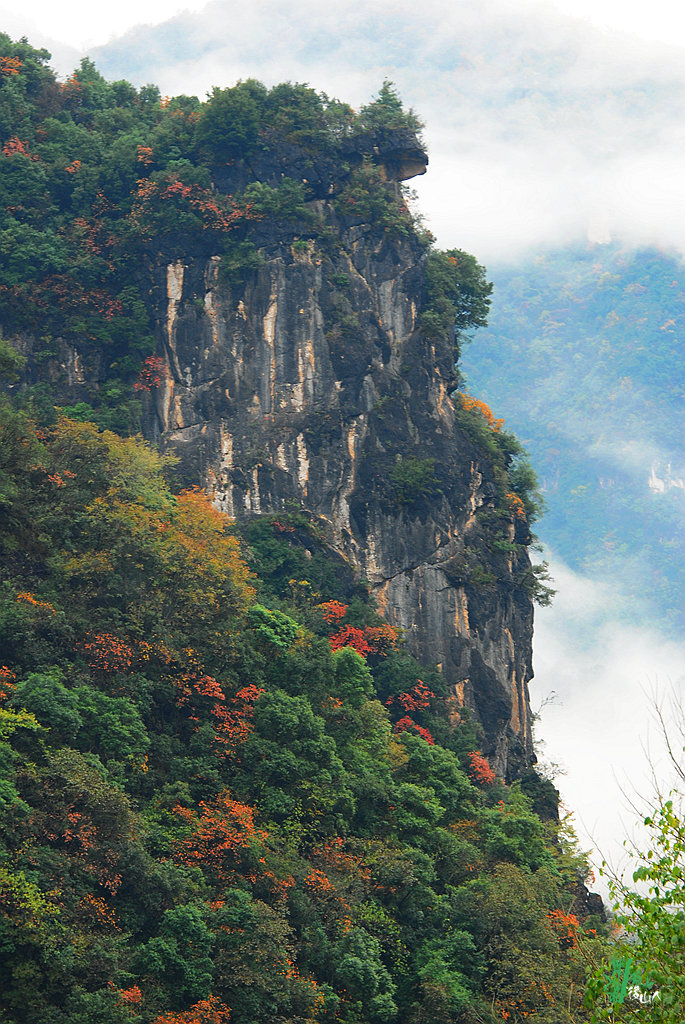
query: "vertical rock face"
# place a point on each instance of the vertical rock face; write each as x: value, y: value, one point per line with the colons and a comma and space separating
x: 311, y: 383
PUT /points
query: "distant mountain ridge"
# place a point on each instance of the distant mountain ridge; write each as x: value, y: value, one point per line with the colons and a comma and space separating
x: 583, y: 357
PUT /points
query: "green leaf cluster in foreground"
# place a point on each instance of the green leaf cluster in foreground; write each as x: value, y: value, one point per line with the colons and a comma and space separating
x: 211, y: 802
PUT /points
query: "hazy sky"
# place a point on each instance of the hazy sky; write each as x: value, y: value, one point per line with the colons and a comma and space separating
x: 600, y: 728
x: 81, y: 23
x: 546, y: 120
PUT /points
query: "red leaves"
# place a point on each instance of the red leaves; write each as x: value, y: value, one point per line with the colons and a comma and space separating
x: 152, y: 373
x: 350, y: 636
x: 282, y: 527
x: 480, y: 770
x: 225, y: 829
x: 379, y: 640
x: 416, y: 699
x: 408, y: 723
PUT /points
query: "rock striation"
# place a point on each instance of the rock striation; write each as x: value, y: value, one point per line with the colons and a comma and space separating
x: 307, y: 386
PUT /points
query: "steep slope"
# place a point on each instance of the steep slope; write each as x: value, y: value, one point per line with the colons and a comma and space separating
x: 314, y: 386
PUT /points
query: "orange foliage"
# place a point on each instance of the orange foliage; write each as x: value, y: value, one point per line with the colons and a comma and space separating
x: 28, y: 598
x: 90, y: 232
x: 206, y: 1011
x: 107, y: 653
x: 480, y: 770
x: 10, y: 66
x: 233, y: 716
x: 350, y: 636
x: 98, y: 911
x: 515, y: 504
x: 318, y: 883
x: 332, y: 611
x: 70, y: 295
x: 144, y: 155
x: 15, y: 145
x: 470, y: 404
x: 334, y: 856
x: 7, y: 678
x: 381, y: 639
x: 566, y: 927
x: 131, y: 995
x: 225, y: 829
x: 217, y: 212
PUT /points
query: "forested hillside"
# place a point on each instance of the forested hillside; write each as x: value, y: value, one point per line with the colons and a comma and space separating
x: 227, y: 791
x: 583, y: 354
x: 210, y: 802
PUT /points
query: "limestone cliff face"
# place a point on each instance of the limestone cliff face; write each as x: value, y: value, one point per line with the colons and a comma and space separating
x: 307, y: 385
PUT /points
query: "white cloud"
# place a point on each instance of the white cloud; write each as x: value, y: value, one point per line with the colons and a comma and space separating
x: 541, y: 129
x: 602, y: 730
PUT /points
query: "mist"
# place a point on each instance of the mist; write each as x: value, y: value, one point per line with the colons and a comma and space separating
x: 540, y: 128
x: 599, y: 677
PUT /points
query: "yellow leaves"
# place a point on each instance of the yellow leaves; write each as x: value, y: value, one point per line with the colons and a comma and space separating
x: 10, y: 721
x: 87, y: 565
x: 23, y: 902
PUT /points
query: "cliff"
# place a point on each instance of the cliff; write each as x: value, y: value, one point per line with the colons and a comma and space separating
x: 311, y: 385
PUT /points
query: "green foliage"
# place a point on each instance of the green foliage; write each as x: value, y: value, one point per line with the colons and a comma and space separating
x: 648, y: 954
x: 589, y: 336
x: 457, y: 295
x: 207, y: 799
x: 229, y: 125
x: 413, y: 481
x: 367, y: 197
x: 386, y: 113
x: 10, y: 361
